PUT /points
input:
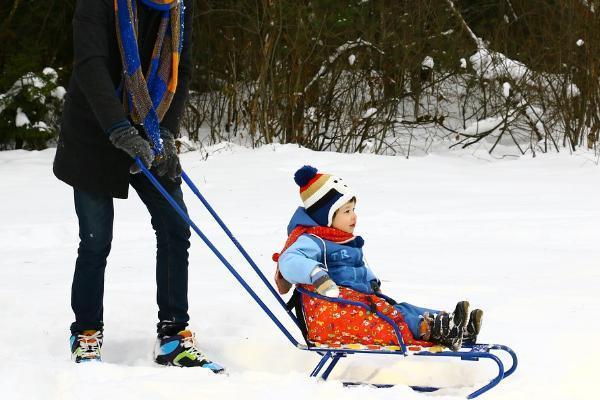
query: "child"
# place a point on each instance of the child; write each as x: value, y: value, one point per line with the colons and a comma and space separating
x: 322, y: 251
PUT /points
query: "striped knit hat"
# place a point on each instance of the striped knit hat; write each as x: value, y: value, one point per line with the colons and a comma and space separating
x: 322, y: 194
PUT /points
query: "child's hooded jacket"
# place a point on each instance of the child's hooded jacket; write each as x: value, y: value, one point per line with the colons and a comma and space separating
x: 343, y: 262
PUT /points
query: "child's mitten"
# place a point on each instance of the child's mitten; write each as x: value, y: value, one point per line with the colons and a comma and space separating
x: 375, y: 285
x: 323, y: 283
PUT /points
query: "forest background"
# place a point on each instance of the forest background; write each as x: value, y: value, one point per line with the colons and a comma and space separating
x: 382, y: 76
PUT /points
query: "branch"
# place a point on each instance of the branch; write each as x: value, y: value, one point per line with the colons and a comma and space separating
x: 478, y: 42
x: 338, y: 52
x: 11, y: 14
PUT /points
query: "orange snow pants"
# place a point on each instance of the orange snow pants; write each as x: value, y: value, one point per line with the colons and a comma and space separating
x: 336, y: 324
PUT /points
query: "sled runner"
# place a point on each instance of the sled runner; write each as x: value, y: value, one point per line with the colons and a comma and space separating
x: 331, y: 351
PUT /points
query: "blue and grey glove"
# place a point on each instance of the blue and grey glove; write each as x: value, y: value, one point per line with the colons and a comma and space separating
x: 323, y: 283
x: 126, y: 137
x: 168, y: 164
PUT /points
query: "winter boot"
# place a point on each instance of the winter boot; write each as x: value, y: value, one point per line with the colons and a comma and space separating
x: 448, y: 329
x: 473, y: 326
x: 180, y: 350
x: 85, y: 346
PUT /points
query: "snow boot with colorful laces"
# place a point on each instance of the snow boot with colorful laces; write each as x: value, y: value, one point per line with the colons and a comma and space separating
x: 181, y: 351
x: 86, y: 346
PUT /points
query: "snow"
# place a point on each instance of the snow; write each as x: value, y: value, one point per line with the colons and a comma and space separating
x: 580, y: 43
x: 517, y: 238
x: 351, y: 59
x: 483, y: 125
x: 573, y: 90
x: 369, y: 113
x: 21, y: 119
x: 51, y: 73
x: 491, y: 65
x: 311, y: 114
x: 40, y: 125
x: 29, y: 79
x: 427, y: 63
x: 506, y: 89
x: 59, y: 92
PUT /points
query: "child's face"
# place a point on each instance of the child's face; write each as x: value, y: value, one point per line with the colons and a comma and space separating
x: 345, y: 218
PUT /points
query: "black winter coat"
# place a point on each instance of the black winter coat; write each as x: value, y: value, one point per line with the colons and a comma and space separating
x: 85, y: 158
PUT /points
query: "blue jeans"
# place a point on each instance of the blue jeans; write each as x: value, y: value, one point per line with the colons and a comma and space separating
x: 96, y: 213
x: 413, y: 316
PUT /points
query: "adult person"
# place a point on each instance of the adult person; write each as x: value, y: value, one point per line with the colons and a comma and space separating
x: 131, y: 72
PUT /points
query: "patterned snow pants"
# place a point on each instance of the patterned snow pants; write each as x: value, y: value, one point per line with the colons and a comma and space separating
x: 337, y: 324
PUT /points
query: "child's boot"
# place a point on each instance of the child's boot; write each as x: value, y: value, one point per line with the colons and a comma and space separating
x: 86, y: 346
x: 448, y: 328
x: 473, y: 326
x: 181, y: 351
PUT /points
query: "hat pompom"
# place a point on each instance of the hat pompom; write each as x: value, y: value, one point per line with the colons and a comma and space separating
x: 304, y: 175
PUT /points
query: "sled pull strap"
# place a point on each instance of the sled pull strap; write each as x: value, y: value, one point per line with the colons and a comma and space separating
x: 233, y: 271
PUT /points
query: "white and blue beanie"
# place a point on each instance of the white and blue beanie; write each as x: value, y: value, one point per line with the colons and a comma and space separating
x: 322, y: 194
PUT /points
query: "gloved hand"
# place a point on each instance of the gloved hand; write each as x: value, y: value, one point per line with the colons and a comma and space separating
x: 375, y: 286
x: 168, y: 163
x: 323, y: 283
x: 127, y: 138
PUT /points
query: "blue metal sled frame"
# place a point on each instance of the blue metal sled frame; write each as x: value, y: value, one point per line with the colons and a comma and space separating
x: 331, y: 356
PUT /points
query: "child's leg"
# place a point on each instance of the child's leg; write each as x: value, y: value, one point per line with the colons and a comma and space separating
x: 413, y: 315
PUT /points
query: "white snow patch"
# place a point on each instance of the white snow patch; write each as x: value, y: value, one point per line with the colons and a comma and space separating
x: 51, y: 73
x: 580, y: 43
x: 369, y: 113
x: 21, y: 119
x: 492, y: 65
x: 41, y: 125
x: 573, y: 90
x: 311, y: 114
x: 58, y: 93
x: 438, y: 229
x: 351, y: 59
x: 506, y: 89
x: 483, y: 125
x: 427, y: 63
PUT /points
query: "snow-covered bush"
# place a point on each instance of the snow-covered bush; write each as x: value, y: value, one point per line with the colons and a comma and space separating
x: 30, y: 111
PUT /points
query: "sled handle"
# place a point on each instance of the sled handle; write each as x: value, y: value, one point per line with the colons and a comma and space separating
x: 237, y: 244
x: 217, y: 253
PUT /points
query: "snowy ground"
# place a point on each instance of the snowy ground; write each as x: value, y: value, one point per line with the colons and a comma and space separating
x: 517, y: 238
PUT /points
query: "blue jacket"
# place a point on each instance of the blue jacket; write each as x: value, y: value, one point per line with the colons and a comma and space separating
x: 343, y: 262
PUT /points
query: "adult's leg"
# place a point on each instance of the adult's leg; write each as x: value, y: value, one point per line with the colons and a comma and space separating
x: 172, y: 244
x: 95, y: 213
x: 413, y: 315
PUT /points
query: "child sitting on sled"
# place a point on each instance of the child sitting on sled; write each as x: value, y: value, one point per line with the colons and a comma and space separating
x: 322, y: 253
